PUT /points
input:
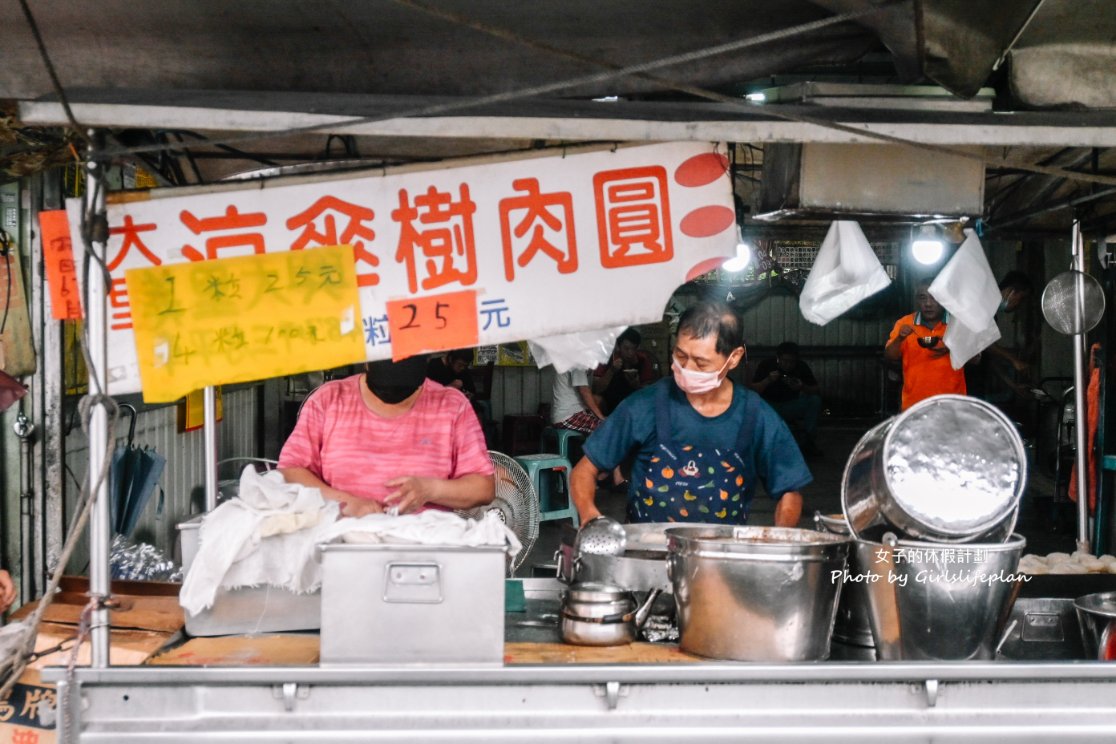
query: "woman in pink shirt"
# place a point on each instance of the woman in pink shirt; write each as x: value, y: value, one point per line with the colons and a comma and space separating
x: 390, y: 437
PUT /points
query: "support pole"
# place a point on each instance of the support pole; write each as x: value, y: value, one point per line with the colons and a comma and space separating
x: 100, y: 527
x: 1081, y: 417
x: 209, y: 413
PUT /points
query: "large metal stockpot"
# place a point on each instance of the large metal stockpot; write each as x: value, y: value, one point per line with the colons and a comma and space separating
x: 937, y: 602
x: 756, y: 593
x: 948, y: 469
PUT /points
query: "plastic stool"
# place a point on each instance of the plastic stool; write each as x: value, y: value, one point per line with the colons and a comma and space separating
x: 561, y: 438
x: 550, y: 475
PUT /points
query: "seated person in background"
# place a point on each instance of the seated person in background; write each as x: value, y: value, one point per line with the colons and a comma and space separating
x: 389, y: 437
x: 789, y: 386
x: 573, y: 405
x: 452, y: 370
x: 916, y: 342
x: 628, y: 370
x: 1007, y: 366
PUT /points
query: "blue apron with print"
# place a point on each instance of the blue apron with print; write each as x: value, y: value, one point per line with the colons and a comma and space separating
x: 689, y: 483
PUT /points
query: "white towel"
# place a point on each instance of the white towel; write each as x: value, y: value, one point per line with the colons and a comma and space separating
x: 966, y: 288
x: 845, y: 271
x: 431, y: 527
x: 264, y: 536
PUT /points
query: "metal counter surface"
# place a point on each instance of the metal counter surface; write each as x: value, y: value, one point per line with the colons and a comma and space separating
x: 705, y: 701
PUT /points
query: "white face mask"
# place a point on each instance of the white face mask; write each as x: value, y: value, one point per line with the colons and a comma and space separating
x: 695, y: 381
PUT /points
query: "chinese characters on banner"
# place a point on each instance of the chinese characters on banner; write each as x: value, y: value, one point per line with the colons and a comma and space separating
x: 242, y: 319
x: 539, y: 246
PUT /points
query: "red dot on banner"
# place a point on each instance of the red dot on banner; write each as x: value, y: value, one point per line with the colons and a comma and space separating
x: 701, y: 170
x: 706, y: 221
x: 705, y: 267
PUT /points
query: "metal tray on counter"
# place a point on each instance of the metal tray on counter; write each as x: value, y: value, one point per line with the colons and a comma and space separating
x: 249, y: 610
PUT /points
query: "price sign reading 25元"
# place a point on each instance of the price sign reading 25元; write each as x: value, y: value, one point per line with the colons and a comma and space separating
x: 433, y: 323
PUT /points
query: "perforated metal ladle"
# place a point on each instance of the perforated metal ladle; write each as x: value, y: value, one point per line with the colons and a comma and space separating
x: 601, y: 536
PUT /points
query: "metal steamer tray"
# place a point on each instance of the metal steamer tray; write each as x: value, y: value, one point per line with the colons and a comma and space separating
x: 641, y: 568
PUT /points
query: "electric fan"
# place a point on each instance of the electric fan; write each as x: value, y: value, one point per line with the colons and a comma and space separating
x: 515, y: 502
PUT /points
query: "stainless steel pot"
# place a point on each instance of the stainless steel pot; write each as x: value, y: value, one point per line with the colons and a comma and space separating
x: 756, y: 593
x: 596, y: 614
x: 929, y: 601
x: 641, y: 568
x: 1096, y: 613
x: 852, y: 625
x: 948, y: 469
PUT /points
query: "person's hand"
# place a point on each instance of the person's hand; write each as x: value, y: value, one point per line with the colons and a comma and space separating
x: 617, y: 362
x: 938, y: 351
x: 354, y: 507
x: 906, y: 330
x: 7, y: 590
x: 1020, y: 366
x: 411, y: 493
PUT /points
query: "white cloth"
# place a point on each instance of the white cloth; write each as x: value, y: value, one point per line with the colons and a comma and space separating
x: 431, y: 527
x: 264, y: 536
x: 585, y: 349
x: 565, y: 400
x: 268, y: 535
x: 966, y: 288
x: 845, y: 271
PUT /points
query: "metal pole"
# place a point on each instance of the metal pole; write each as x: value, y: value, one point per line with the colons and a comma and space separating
x: 209, y: 413
x: 100, y: 527
x: 1081, y: 417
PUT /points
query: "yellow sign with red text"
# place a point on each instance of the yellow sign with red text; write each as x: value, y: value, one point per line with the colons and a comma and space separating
x: 242, y: 319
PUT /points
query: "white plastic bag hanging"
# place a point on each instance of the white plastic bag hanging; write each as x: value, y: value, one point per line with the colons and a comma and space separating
x: 966, y: 288
x: 845, y: 271
x: 584, y: 349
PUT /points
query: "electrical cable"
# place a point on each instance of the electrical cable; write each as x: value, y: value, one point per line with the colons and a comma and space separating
x: 537, y: 90
x: 54, y: 81
x: 6, y: 251
x: 615, y: 72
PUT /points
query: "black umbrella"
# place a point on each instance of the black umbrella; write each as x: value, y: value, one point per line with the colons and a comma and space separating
x: 134, y: 474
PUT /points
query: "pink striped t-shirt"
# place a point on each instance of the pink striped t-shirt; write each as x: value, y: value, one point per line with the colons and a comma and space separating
x: 355, y: 450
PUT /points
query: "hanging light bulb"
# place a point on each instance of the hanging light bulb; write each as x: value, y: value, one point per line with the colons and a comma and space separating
x: 743, y: 257
x: 927, y: 248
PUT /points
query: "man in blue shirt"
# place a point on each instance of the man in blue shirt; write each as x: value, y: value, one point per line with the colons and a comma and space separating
x: 701, y: 442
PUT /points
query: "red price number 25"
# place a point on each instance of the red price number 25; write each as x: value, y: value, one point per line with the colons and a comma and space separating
x: 433, y: 323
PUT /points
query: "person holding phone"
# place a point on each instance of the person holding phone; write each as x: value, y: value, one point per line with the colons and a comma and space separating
x: 788, y: 385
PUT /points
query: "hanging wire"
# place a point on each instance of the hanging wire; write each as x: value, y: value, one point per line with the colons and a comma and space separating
x: 54, y: 81
x: 6, y: 252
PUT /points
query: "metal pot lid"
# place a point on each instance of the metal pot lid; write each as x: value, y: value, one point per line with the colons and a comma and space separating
x: 596, y: 591
x: 954, y: 464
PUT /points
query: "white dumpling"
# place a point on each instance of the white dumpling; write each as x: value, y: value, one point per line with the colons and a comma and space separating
x: 1056, y: 557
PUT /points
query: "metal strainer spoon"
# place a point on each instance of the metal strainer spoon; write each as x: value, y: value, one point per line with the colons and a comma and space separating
x: 601, y: 536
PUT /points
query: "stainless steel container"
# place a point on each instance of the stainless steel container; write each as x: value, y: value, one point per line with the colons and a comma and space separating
x: 756, y: 593
x: 641, y: 568
x: 596, y: 614
x: 948, y: 469
x: 852, y: 625
x: 929, y: 601
x: 248, y: 610
x: 391, y: 603
x: 1096, y: 613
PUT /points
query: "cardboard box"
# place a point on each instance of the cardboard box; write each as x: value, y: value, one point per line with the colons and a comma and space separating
x: 148, y: 617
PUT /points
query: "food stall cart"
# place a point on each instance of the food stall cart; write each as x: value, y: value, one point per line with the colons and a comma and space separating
x: 635, y: 693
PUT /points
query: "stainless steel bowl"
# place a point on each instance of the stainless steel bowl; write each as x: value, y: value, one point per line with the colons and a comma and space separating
x: 948, y: 469
x: 929, y: 601
x: 756, y: 593
x: 1096, y: 613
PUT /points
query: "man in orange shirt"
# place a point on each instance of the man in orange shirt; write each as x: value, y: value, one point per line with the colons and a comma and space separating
x: 916, y: 341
